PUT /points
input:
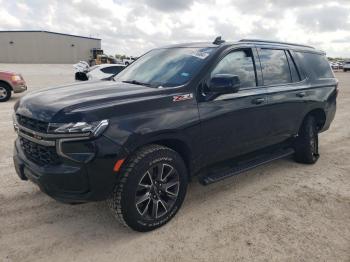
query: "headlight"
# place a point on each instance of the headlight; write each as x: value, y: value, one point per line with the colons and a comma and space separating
x: 16, y: 78
x: 95, y: 128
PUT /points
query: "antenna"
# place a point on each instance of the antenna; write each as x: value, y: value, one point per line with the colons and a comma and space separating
x: 218, y: 41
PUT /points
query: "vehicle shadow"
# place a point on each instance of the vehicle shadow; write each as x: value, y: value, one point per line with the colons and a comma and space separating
x: 88, y: 223
x: 250, y: 179
x: 99, y: 218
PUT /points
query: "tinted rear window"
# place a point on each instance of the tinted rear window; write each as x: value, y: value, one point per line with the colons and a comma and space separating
x: 316, y: 64
x: 112, y: 69
x: 275, y: 67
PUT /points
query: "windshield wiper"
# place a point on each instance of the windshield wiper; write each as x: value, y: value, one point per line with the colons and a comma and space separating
x: 135, y: 82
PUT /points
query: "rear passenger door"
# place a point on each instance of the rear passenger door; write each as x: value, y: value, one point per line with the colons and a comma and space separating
x: 284, y: 85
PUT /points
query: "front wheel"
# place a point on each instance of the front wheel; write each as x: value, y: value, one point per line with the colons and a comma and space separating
x: 5, y: 92
x: 151, y: 189
x: 306, y: 143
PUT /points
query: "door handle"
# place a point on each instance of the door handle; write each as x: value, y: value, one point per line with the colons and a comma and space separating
x: 301, y: 94
x: 258, y: 101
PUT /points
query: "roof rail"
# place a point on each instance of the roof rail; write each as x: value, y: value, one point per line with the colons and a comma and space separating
x: 274, y: 42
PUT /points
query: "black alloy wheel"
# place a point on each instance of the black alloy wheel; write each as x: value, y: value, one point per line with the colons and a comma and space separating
x: 157, y: 191
x: 151, y: 188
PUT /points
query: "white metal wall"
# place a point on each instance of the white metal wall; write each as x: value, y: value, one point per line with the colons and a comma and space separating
x: 44, y: 48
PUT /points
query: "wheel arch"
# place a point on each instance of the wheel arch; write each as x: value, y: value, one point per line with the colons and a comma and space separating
x: 172, y: 141
x: 319, y: 114
x: 180, y: 147
x: 7, y: 84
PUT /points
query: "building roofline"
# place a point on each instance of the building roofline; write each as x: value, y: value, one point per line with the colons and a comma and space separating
x: 49, y: 32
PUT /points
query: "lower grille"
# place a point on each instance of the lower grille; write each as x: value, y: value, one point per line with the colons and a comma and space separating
x: 41, y: 155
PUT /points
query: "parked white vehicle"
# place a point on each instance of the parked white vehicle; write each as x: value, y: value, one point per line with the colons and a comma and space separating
x: 128, y: 60
x: 82, y: 66
x: 80, y: 70
x: 104, y: 71
x: 334, y: 65
x: 346, y: 66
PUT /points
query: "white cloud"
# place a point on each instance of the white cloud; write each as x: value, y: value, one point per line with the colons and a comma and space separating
x: 8, y: 20
x: 135, y: 26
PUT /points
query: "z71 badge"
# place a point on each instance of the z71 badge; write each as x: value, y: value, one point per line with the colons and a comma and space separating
x: 182, y: 97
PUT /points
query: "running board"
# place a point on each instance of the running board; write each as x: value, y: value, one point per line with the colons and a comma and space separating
x: 231, y: 169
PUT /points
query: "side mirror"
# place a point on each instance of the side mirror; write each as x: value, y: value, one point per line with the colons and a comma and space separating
x: 224, y: 84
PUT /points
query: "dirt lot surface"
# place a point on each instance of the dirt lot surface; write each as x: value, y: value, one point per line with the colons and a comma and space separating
x: 282, y: 211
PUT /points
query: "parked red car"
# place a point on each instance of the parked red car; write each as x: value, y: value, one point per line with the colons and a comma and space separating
x: 10, y: 82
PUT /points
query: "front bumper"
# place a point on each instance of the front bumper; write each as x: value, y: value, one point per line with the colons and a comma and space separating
x: 72, y: 181
x: 19, y: 87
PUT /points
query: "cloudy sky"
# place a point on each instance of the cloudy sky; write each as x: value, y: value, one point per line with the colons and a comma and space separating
x: 135, y: 26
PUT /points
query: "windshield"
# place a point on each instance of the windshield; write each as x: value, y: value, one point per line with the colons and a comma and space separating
x: 166, y: 67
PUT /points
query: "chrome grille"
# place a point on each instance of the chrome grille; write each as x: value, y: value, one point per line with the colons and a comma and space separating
x: 33, y: 124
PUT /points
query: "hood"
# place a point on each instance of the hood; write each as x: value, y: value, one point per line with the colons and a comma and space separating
x: 46, y: 105
x: 8, y: 73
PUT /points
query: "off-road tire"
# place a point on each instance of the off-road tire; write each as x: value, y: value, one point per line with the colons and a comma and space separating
x: 123, y: 200
x: 306, y: 143
x: 7, y: 89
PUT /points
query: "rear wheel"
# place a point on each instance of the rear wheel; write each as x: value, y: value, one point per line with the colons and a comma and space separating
x: 5, y: 92
x: 151, y: 189
x: 306, y: 144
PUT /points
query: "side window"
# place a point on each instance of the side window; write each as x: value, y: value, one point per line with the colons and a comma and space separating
x: 112, y: 69
x: 293, y: 69
x: 238, y: 63
x: 316, y: 64
x: 118, y: 69
x: 275, y: 67
x: 106, y: 70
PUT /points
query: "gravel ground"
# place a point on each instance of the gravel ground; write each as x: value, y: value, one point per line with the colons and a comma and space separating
x: 282, y: 211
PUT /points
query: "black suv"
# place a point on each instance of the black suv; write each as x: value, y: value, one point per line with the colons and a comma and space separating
x: 211, y: 110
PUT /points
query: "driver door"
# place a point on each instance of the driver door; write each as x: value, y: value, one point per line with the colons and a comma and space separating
x: 236, y: 123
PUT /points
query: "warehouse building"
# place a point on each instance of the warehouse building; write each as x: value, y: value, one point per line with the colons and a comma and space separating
x: 43, y: 47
